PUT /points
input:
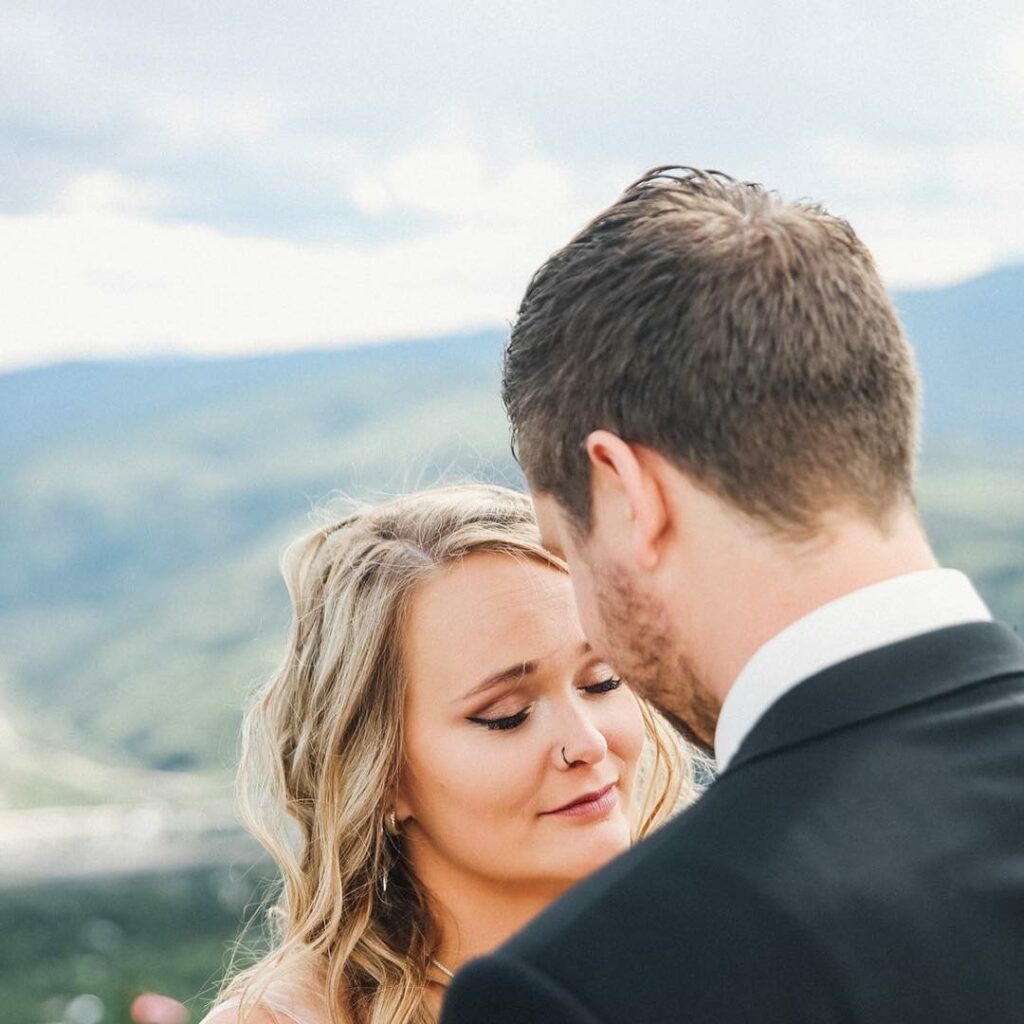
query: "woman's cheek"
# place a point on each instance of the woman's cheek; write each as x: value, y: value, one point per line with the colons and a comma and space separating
x: 490, y: 777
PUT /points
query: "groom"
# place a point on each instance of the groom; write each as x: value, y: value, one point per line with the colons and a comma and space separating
x: 715, y: 408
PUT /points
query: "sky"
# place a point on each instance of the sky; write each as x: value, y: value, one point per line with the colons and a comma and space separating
x: 207, y: 178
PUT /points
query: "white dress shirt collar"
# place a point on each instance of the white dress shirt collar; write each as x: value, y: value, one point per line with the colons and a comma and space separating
x: 872, y: 617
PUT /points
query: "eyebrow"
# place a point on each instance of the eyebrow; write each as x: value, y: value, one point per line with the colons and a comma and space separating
x: 513, y: 673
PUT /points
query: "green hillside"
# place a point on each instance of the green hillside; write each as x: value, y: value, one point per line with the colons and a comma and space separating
x: 140, y: 596
x: 145, y: 505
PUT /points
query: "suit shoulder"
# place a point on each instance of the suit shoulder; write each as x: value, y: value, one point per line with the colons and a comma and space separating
x: 653, y: 874
x: 502, y: 989
x: 641, y: 949
x: 685, y: 883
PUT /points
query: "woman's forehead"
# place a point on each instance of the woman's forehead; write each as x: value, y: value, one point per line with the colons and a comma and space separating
x: 489, y: 610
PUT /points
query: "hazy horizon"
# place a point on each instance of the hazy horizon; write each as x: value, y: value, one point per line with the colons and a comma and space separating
x: 334, y: 345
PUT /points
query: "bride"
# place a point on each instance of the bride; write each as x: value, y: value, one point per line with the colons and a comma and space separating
x: 437, y: 759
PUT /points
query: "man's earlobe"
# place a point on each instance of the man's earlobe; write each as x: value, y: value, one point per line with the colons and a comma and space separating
x: 650, y: 510
x: 648, y: 529
x: 629, y: 477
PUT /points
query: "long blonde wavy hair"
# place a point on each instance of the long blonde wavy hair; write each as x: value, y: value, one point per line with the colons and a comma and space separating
x: 322, y: 751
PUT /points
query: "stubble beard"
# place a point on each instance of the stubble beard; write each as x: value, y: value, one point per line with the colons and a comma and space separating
x: 641, y: 646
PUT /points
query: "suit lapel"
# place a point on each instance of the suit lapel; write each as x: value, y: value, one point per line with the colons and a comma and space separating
x: 881, y: 681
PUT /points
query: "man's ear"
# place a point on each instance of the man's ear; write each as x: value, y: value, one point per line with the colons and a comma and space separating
x: 627, y: 495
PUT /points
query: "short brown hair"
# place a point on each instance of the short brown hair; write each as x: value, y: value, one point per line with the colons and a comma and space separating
x: 748, y: 339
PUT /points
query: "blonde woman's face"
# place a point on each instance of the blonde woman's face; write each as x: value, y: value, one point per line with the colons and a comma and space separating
x: 501, y: 684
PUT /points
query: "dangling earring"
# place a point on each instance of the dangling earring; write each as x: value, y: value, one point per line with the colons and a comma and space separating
x: 390, y: 827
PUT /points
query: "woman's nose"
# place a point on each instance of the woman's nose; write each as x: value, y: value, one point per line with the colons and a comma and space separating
x: 579, y: 742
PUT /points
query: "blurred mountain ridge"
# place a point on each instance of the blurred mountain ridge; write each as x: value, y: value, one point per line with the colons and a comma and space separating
x: 146, y: 502
x: 969, y: 341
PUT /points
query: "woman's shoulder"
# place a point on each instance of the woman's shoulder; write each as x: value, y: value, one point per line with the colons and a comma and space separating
x: 274, y: 1005
x: 230, y: 1013
x: 259, y: 1013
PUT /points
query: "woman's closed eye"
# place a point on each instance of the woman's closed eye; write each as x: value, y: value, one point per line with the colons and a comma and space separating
x: 506, y: 722
x: 605, y: 686
x: 512, y: 721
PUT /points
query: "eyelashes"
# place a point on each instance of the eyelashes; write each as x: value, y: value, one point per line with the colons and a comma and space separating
x: 501, y: 724
x: 512, y: 721
x: 605, y: 686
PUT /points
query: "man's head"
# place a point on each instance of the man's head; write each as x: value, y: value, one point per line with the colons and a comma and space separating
x: 703, y: 340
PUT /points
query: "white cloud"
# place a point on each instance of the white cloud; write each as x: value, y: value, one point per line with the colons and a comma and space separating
x: 993, y: 170
x: 107, y: 192
x: 931, y: 214
x: 101, y: 274
x: 918, y: 247
x: 988, y: 169
x: 856, y: 163
x: 1008, y: 63
x: 237, y: 116
x: 449, y: 177
x: 102, y: 277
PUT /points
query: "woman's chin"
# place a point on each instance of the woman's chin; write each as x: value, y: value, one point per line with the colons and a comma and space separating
x: 601, y: 843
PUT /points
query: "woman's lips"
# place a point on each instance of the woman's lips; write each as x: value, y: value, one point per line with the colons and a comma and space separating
x: 591, y: 805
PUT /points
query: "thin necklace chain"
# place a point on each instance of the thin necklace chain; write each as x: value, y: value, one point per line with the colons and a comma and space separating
x: 441, y: 967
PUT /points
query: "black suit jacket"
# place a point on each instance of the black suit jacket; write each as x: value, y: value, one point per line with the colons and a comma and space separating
x: 862, y: 859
